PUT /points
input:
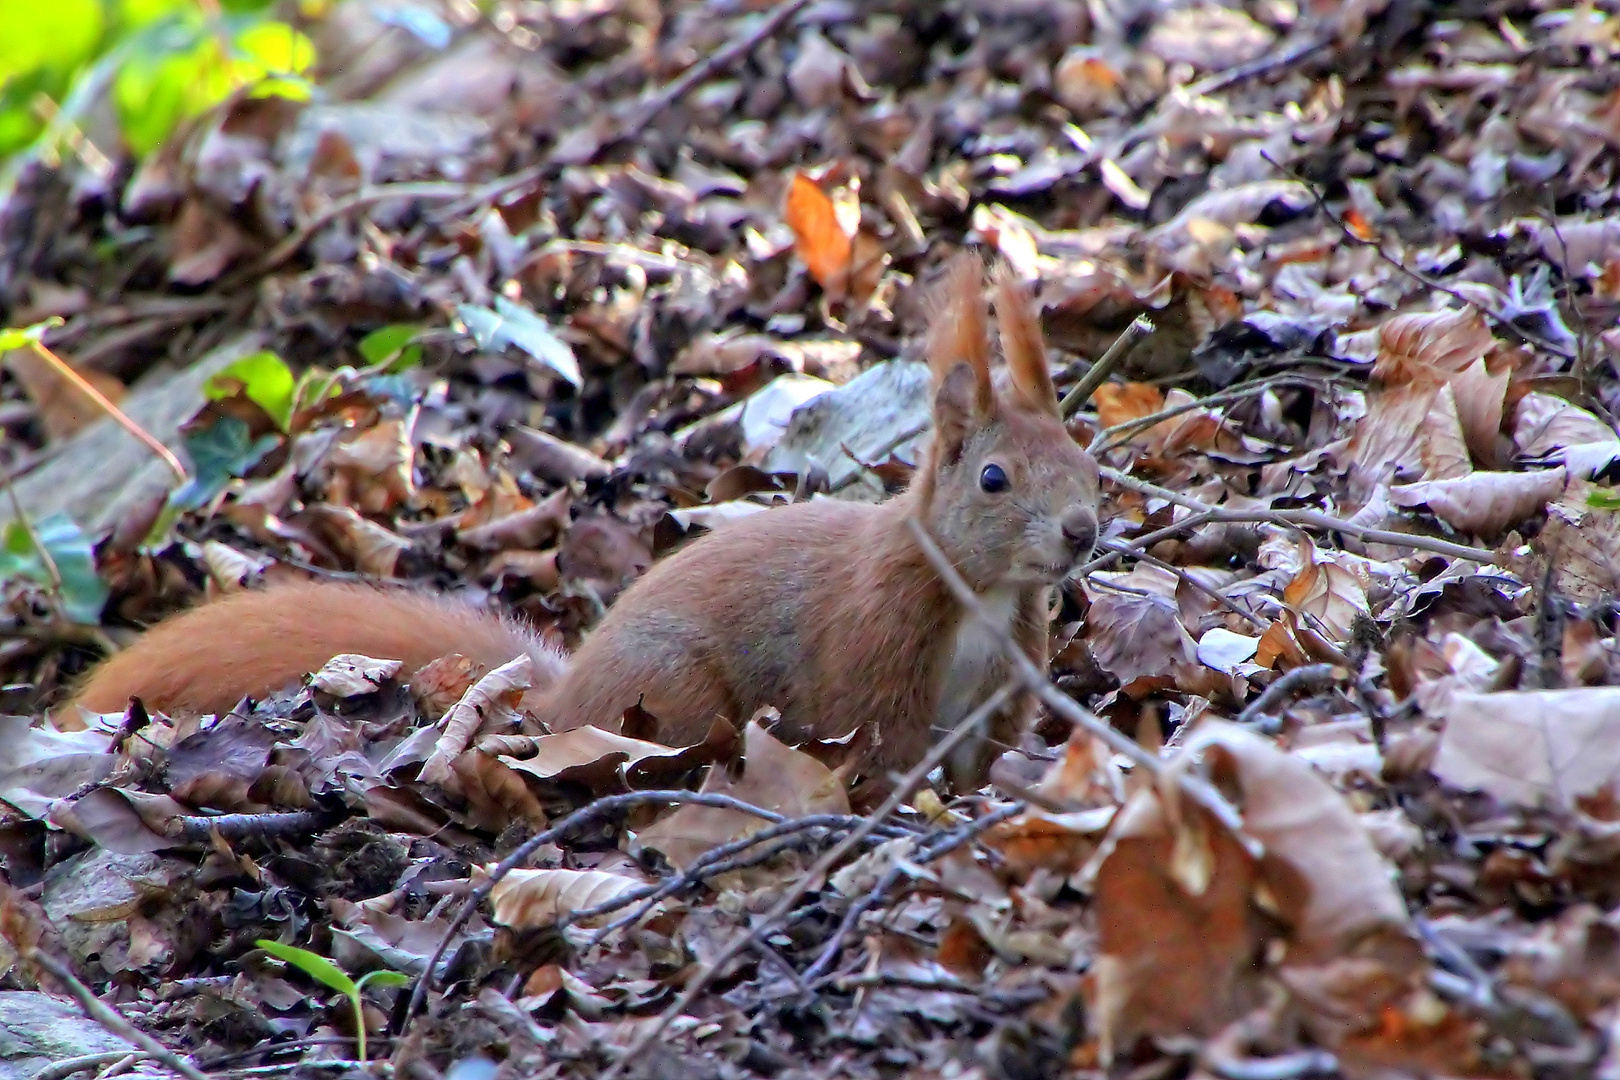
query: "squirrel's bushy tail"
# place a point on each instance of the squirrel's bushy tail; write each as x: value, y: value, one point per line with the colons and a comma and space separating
x: 257, y: 642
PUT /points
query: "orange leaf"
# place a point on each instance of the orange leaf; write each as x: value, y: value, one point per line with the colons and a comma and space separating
x: 1120, y: 403
x: 819, y: 239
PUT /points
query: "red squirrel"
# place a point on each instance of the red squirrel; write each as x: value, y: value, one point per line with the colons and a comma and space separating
x: 826, y: 610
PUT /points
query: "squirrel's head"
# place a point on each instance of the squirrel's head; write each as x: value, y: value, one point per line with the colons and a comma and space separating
x: 1008, y: 493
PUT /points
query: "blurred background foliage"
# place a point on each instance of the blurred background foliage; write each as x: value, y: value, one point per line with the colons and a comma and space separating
x: 155, y: 62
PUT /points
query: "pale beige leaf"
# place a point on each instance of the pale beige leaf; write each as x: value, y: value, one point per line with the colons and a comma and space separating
x: 1532, y: 746
x: 1544, y: 425
x: 1480, y: 397
x: 1331, y: 594
x: 351, y: 674
x: 1443, y: 449
x: 527, y: 899
x: 489, y: 701
x: 1386, y: 440
x: 1483, y: 503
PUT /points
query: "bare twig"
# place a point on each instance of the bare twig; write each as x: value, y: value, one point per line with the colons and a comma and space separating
x: 721, y: 860
x: 601, y: 808
x: 1037, y: 682
x: 742, y: 942
x: 1193, y: 583
x: 1416, y: 275
x: 1140, y: 327
x: 1313, y: 518
x: 1142, y: 543
x: 710, y: 66
x: 109, y: 1018
x: 60, y: 1070
x: 1314, y: 676
x: 947, y: 843
x: 65, y: 370
x: 242, y: 826
x: 1110, y: 437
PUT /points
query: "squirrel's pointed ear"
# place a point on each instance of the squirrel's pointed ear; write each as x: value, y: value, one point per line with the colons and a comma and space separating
x: 959, y: 334
x: 1023, y: 344
x: 956, y: 413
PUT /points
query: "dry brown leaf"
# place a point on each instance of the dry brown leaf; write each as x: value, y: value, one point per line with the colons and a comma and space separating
x: 530, y: 899
x: 1120, y: 403
x: 496, y: 795
x: 373, y: 471
x: 1483, y: 503
x: 1327, y: 592
x: 489, y: 704
x: 605, y: 761
x: 1582, y: 541
x: 1183, y: 908
x: 1387, y: 440
x: 1133, y: 635
x: 821, y: 237
x: 1480, y: 398
x: 1529, y: 747
x: 1441, y: 446
x: 372, y: 548
x: 1427, y: 347
x: 775, y: 777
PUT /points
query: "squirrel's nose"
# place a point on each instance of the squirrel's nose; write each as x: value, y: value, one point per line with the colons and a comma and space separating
x: 1080, y: 529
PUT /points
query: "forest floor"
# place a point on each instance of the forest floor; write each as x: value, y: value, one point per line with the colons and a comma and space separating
x: 522, y: 300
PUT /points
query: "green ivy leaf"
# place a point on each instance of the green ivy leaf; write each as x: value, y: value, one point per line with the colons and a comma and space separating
x: 219, y: 453
x: 266, y: 380
x: 83, y: 593
x: 513, y: 324
x: 392, y: 345
x: 312, y: 964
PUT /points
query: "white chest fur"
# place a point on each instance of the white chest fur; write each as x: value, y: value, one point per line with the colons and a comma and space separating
x: 976, y: 652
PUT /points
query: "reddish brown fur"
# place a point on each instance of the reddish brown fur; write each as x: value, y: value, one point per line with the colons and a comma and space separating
x: 254, y: 643
x: 826, y: 610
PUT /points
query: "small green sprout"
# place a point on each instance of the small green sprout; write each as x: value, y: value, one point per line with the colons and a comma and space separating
x: 324, y: 971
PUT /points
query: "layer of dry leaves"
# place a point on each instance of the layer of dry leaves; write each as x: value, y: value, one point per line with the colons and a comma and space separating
x: 1378, y: 243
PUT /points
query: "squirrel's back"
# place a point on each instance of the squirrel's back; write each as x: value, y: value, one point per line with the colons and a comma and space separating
x: 256, y: 642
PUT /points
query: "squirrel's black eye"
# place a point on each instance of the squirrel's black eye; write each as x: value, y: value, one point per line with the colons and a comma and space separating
x: 993, y: 479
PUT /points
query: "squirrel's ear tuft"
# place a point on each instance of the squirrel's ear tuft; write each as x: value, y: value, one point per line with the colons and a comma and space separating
x: 1023, y: 344
x: 960, y: 333
x: 956, y: 413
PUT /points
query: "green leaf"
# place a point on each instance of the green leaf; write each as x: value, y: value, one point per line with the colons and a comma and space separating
x: 59, y: 34
x: 266, y: 380
x: 312, y: 964
x: 83, y: 593
x: 17, y: 337
x: 392, y: 345
x: 383, y: 977
x: 513, y: 324
x: 1603, y: 500
x: 219, y: 453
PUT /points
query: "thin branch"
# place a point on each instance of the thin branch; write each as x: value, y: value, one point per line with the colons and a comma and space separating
x: 1314, y: 518
x: 65, y: 370
x: 60, y: 1070
x: 109, y: 1018
x: 1036, y: 680
x: 603, y: 807
x: 1110, y: 437
x: 1140, y: 327
x: 1316, y: 677
x: 949, y: 842
x: 1193, y: 583
x: 708, y: 67
x: 1142, y: 543
x: 1418, y: 276
x: 812, y: 877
